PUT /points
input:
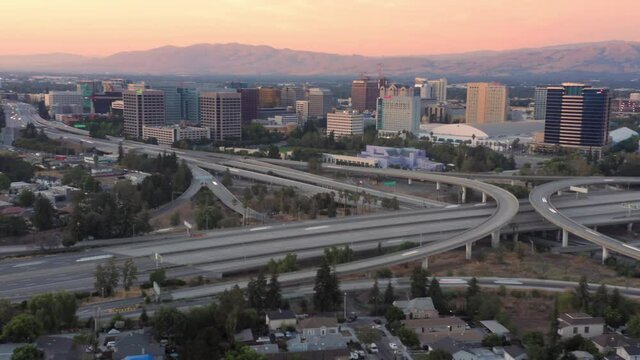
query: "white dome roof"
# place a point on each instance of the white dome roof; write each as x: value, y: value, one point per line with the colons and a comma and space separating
x: 462, y: 130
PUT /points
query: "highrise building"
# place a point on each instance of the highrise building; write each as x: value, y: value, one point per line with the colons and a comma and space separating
x: 302, y: 111
x: 634, y: 96
x: 269, y: 97
x: 422, y: 88
x: 143, y: 107
x: 577, y: 115
x: 114, y: 85
x: 320, y: 102
x: 180, y: 102
x: 345, y: 123
x: 64, y: 102
x: 396, y: 114
x: 222, y: 113
x: 438, y: 90
x: 486, y: 103
x: 364, y: 93
x: 250, y: 99
x: 540, y: 103
x: 290, y: 93
x: 397, y: 90
x: 88, y: 88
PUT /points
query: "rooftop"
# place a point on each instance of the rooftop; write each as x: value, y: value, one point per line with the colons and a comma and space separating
x: 422, y: 303
x: 318, y: 322
x: 495, y: 327
x: 579, y: 319
x: 281, y: 315
x: 435, y: 322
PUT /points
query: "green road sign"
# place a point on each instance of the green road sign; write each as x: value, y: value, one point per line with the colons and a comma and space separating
x: 80, y: 126
x: 389, y: 183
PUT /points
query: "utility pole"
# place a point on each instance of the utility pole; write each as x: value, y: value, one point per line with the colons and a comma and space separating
x: 345, y: 305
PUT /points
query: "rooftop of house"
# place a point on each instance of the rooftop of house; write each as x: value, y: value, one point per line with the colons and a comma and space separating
x: 281, y: 315
x: 422, y: 303
x: 472, y: 336
x: 434, y: 322
x: 514, y: 351
x: 318, y: 322
x: 571, y: 319
x: 610, y: 341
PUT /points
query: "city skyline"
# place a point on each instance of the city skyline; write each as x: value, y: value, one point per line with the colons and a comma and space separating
x: 445, y: 28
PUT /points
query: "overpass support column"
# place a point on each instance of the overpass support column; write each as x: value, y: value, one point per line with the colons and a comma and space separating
x: 495, y: 239
x: 605, y: 254
x: 425, y: 263
x: 595, y: 227
x: 630, y: 227
x: 565, y: 238
x: 464, y: 195
x: 467, y: 251
x: 515, y: 237
x: 409, y: 181
x: 513, y: 182
x: 484, y: 197
x: 559, y: 192
x: 437, y: 185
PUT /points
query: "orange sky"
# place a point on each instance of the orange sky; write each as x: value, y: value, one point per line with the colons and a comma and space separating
x: 369, y: 27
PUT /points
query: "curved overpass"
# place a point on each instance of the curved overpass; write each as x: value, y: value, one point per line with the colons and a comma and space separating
x: 540, y: 199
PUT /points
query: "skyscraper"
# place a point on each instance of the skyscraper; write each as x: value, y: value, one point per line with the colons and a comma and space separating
x: 345, y: 123
x: 396, y: 114
x: 88, y: 88
x: 269, y: 97
x: 291, y: 93
x: 222, y: 113
x: 320, y: 102
x: 438, y: 90
x: 143, y: 107
x: 397, y: 90
x: 180, y: 102
x: 577, y: 115
x: 364, y: 93
x: 250, y: 99
x: 540, y: 103
x: 302, y: 111
x: 486, y: 103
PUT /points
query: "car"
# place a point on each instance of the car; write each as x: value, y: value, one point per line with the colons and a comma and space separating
x: 376, y: 326
x: 373, y: 348
x: 377, y: 321
x: 394, y: 346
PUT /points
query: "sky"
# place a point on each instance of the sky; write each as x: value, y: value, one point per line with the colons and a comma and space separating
x: 367, y: 27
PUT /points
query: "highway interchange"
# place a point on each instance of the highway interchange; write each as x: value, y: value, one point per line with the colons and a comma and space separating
x: 436, y: 227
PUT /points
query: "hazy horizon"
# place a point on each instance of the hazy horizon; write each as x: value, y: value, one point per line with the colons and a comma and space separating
x: 362, y: 27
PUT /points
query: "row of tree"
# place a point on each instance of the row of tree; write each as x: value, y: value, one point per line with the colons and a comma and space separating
x: 109, y: 276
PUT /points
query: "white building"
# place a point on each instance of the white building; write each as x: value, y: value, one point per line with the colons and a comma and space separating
x: 302, y: 111
x: 142, y: 108
x: 167, y: 135
x: 438, y: 90
x: 345, y: 123
x: 396, y: 114
x: 64, y: 102
x: 572, y: 324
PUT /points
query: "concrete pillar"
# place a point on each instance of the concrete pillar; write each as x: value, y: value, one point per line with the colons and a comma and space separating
x: 437, y: 185
x: 495, y: 239
x: 559, y: 192
x: 513, y: 182
x: 565, y: 238
x: 464, y: 195
x: 409, y: 181
x: 559, y: 235
x: 605, y: 254
x: 484, y: 197
x: 630, y: 227
x: 515, y: 237
x: 467, y: 251
x: 425, y: 263
x: 595, y: 228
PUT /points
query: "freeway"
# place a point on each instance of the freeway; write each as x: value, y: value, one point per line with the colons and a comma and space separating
x: 541, y: 200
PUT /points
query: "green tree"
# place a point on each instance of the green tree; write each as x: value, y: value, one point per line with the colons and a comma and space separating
x: 107, y: 278
x: 419, y: 282
x: 169, y: 323
x: 326, y: 289
x: 532, y: 338
x: 473, y: 289
x: 274, y: 293
x: 54, y: 311
x: 26, y: 198
x: 158, y: 276
x: 208, y: 217
x: 408, y: 337
x: 375, y: 299
x: 257, y: 292
x: 5, y: 182
x: 389, y: 294
x: 274, y: 152
x: 633, y: 326
x: 393, y: 314
x: 27, y: 352
x: 553, y: 335
x: 438, y: 354
x: 244, y: 353
x: 175, y: 219
x: 42, y: 213
x: 22, y: 328
x: 227, y: 181
x: 491, y: 340
x: 129, y: 274
x: 582, y: 296
x: 436, y: 295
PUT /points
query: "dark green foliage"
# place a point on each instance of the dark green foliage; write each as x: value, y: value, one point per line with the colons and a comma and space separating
x: 15, y: 168
x: 287, y: 264
x: 419, y: 282
x: 326, y: 289
x: 21, y: 328
x: 27, y: 352
x: 54, y: 311
x: 438, y: 355
x: 43, y: 213
x: 12, y: 226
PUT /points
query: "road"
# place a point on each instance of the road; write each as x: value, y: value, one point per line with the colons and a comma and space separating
x: 541, y: 200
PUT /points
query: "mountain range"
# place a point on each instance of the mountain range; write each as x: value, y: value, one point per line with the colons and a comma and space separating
x: 601, y: 58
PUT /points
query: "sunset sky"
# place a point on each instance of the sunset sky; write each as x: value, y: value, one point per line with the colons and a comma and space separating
x: 368, y: 27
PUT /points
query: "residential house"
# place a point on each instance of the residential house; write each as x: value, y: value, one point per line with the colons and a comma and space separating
x: 631, y: 352
x: 318, y: 326
x: 581, y: 355
x: 334, y: 354
x: 137, y: 343
x: 417, y: 308
x: 281, y: 319
x: 572, y: 324
x: 610, y: 342
x: 444, y: 324
x: 514, y: 352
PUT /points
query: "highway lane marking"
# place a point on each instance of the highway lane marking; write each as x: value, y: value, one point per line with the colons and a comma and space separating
x: 508, y: 282
x: 452, y: 206
x: 92, y: 258
x: 609, y: 180
x: 234, y: 170
x: 410, y: 253
x: 316, y: 227
x: 593, y: 232
x: 452, y: 281
x: 553, y: 210
x: 29, y: 264
x: 260, y: 228
x: 394, y: 241
x: 164, y: 230
x: 481, y: 204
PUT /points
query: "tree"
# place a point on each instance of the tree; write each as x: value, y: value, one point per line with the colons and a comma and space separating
x: 129, y: 274
x: 274, y: 293
x: 169, y: 323
x: 389, y: 294
x: 274, y: 152
x: 438, y: 354
x: 600, y: 301
x: 175, y: 219
x: 42, y: 213
x: 227, y: 181
x: 244, y: 353
x: 26, y: 198
x: 582, y: 295
x: 27, y: 352
x: 375, y: 298
x: 633, y: 326
x: 393, y: 314
x: 22, y: 328
x: 436, y: 295
x: 42, y: 110
x: 257, y: 292
x: 418, y: 283
x: 532, y: 338
x: 408, y: 337
x: 107, y: 278
x: 208, y: 217
x: 158, y: 276
x: 473, y: 289
x: 54, y: 311
x: 491, y: 340
x: 5, y: 182
x: 554, y: 325
x: 326, y: 295
x: 120, y: 152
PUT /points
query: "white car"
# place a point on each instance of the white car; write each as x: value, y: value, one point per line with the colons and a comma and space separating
x: 393, y: 346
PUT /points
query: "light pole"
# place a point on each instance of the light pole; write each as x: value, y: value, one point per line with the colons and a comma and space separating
x: 345, y: 305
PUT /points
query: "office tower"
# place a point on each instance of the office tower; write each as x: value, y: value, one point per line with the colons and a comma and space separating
x: 142, y: 108
x: 137, y: 86
x: 364, y: 93
x: 397, y: 90
x: 397, y: 114
x: 290, y: 93
x: 577, y: 115
x: 302, y: 111
x: 64, y: 102
x: 250, y: 99
x: 320, y: 102
x: 422, y: 88
x: 113, y: 85
x: 438, y: 89
x: 222, y: 113
x: 88, y: 88
x: 486, y: 103
x: 345, y: 123
x: 180, y: 102
x: 540, y: 103
x: 269, y: 97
